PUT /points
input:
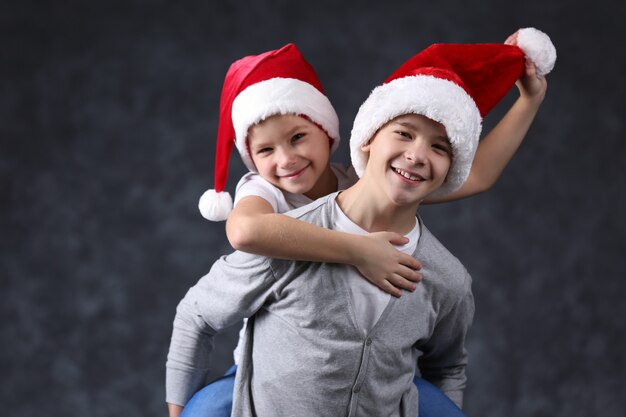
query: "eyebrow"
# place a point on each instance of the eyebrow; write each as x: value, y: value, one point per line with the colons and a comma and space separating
x: 406, y: 124
x: 296, y: 128
x: 259, y: 145
x: 444, y: 140
x: 287, y: 133
x: 415, y: 128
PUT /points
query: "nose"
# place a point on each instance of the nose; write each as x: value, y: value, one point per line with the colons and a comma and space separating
x: 286, y: 158
x: 417, y: 152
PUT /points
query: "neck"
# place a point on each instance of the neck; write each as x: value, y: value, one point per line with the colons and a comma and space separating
x: 374, y: 213
x: 326, y: 184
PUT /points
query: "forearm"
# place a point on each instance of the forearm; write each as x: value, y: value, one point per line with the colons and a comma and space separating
x: 254, y: 227
x: 236, y: 287
x: 499, y: 146
x: 496, y: 150
x: 187, y: 363
x: 283, y: 237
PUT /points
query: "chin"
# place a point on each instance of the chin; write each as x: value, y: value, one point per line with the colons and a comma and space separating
x: 405, y: 200
x: 298, y: 188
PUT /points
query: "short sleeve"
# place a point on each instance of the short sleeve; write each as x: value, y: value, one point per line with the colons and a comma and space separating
x: 252, y: 184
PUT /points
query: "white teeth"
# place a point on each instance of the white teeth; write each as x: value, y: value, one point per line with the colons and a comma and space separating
x: 406, y: 174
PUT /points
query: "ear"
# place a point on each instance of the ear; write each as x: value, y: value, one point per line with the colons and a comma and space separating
x: 366, y: 146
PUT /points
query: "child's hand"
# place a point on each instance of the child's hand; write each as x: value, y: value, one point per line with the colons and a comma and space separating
x: 531, y: 85
x: 385, y: 266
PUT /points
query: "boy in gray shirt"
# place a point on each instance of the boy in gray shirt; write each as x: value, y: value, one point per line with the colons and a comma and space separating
x: 316, y: 344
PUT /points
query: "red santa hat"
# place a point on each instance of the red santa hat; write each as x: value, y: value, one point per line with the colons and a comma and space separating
x: 455, y: 85
x: 255, y: 88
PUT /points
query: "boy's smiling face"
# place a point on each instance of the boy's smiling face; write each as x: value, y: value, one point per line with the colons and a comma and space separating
x: 289, y: 152
x: 409, y: 158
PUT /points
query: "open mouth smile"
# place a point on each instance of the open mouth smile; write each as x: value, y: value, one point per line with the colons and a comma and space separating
x: 411, y: 176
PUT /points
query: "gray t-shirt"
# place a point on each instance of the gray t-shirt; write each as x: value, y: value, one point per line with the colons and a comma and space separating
x: 304, y: 353
x: 252, y: 184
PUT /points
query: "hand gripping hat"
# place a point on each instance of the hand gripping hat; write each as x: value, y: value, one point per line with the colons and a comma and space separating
x: 455, y: 85
x: 255, y: 88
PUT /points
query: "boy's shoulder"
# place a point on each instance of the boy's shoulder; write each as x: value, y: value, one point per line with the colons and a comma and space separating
x: 318, y: 212
x: 434, y: 256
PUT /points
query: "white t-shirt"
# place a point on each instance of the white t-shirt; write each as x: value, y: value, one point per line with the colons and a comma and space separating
x: 368, y: 300
x: 252, y: 184
x: 283, y: 201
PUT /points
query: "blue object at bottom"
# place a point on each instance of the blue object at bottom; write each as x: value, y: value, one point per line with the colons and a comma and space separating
x: 216, y: 399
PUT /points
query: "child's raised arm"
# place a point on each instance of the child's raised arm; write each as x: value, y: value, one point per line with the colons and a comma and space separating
x: 254, y: 227
x: 497, y: 148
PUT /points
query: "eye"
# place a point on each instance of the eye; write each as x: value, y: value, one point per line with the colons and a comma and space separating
x: 442, y: 149
x: 264, y: 151
x: 297, y: 137
x: 404, y: 134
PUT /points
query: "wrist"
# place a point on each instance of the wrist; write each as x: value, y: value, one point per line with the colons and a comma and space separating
x: 531, y: 101
x: 174, y: 410
x: 355, y: 249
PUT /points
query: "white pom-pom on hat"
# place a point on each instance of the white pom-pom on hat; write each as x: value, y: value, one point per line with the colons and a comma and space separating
x: 215, y: 206
x: 538, y: 47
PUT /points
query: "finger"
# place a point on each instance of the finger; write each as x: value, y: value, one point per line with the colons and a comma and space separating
x: 410, y: 262
x: 534, y: 72
x: 531, y: 69
x: 511, y: 40
x: 396, y: 238
x: 402, y: 283
x: 410, y: 274
x: 388, y: 287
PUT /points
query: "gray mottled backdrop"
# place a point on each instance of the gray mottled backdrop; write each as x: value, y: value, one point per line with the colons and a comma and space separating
x: 108, y: 112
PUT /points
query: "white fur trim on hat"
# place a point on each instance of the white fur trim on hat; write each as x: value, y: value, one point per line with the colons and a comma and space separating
x: 281, y: 96
x: 435, y: 98
x: 215, y: 206
x: 538, y: 47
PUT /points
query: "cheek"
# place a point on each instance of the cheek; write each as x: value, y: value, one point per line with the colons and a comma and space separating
x: 444, y: 168
x: 256, y: 161
x: 263, y: 165
x: 318, y: 153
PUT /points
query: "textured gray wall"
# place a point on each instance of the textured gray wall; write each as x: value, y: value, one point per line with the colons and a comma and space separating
x: 107, y: 116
